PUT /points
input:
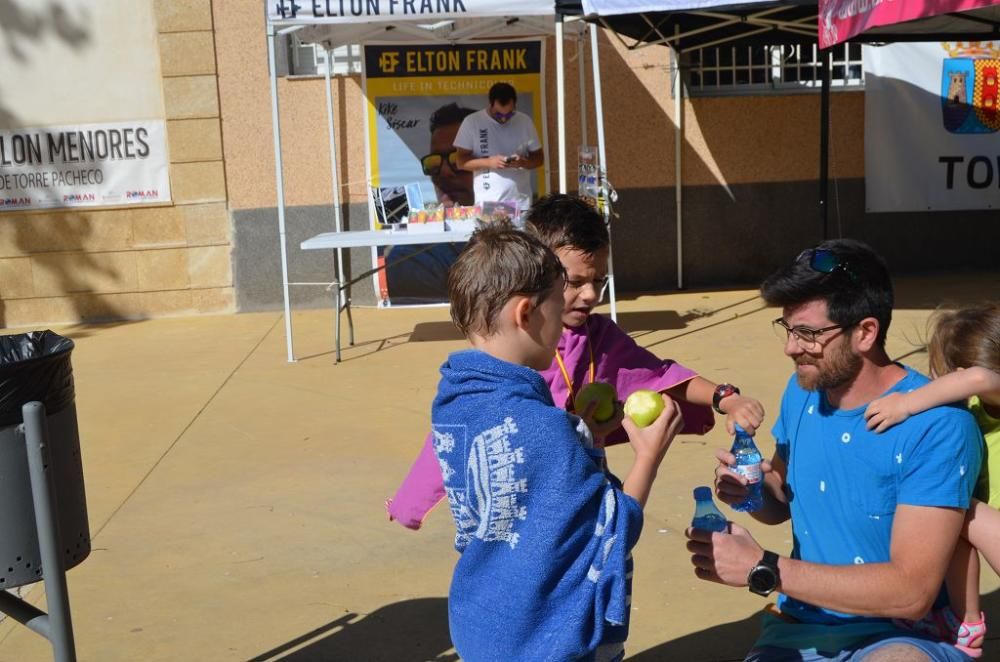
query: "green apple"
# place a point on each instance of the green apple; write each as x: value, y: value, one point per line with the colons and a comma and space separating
x: 605, y: 396
x: 643, y: 406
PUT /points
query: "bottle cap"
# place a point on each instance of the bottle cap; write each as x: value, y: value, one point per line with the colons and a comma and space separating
x: 703, y: 493
x: 739, y: 429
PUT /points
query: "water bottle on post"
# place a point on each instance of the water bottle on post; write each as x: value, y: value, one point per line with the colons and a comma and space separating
x: 706, y: 516
x: 748, y: 460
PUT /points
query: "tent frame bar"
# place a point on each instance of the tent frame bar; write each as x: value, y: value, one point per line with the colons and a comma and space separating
x: 805, y: 26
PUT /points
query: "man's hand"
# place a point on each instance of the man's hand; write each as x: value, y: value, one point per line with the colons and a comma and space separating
x: 731, y: 487
x: 601, y: 430
x: 726, y: 558
x: 885, y: 412
x: 749, y: 413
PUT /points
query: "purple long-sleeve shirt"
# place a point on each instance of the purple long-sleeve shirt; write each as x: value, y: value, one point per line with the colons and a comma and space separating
x: 618, y: 360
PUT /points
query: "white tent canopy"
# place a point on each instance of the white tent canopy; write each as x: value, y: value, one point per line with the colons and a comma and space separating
x: 330, y: 23
x: 333, y: 12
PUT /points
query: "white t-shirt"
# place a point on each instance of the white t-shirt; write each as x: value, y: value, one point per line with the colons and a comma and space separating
x: 484, y: 136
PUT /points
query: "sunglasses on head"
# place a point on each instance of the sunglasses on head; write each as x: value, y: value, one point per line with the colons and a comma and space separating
x: 432, y: 163
x: 825, y: 261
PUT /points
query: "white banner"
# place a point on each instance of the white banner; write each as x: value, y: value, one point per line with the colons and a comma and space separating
x: 84, y: 165
x: 932, y: 119
x: 615, y: 7
x: 367, y: 11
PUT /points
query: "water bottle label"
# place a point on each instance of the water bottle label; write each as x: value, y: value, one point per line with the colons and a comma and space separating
x: 749, y: 471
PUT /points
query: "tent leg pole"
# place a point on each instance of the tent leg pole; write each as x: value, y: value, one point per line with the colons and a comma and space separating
x: 561, y: 104
x: 582, y: 70
x: 602, y: 171
x: 824, y: 145
x: 678, y: 163
x: 335, y: 183
x: 280, y: 183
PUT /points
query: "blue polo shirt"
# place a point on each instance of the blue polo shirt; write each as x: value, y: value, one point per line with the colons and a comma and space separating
x: 844, y: 481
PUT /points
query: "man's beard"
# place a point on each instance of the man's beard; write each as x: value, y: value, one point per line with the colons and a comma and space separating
x: 842, y: 367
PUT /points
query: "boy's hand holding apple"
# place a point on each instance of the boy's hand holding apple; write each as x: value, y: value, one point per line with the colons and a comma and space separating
x: 650, y: 444
x: 597, y: 404
x: 651, y: 441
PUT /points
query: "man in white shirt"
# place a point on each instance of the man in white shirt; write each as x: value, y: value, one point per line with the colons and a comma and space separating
x: 501, y: 147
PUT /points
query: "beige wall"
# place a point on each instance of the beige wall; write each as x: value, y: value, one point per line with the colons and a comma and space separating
x: 728, y: 140
x: 119, y: 60
x: 82, y: 61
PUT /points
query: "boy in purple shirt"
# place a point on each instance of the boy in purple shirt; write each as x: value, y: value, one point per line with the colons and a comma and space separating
x: 592, y: 349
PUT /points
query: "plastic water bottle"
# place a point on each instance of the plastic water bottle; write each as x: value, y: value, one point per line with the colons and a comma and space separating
x: 748, y: 460
x: 706, y: 516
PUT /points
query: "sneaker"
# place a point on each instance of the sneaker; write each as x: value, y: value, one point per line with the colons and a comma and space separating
x: 943, y: 624
x: 967, y: 637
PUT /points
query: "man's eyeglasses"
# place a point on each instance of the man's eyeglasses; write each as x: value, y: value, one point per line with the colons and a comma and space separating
x: 600, y: 285
x: 503, y: 118
x: 808, y: 339
x: 825, y: 261
x: 432, y: 163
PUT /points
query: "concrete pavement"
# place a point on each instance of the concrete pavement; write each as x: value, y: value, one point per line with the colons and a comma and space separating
x: 236, y: 499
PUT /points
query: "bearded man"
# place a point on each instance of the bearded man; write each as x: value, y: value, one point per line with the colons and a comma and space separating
x: 875, y: 517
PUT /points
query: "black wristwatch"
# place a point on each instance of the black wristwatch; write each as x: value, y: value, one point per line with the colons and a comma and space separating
x: 764, y: 578
x: 723, y: 391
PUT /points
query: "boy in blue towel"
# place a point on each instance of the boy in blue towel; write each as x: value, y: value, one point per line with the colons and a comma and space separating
x: 544, y: 532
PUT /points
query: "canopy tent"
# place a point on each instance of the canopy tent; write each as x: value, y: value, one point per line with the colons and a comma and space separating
x: 331, y: 23
x: 841, y: 20
x: 686, y: 25
x: 771, y: 22
x: 689, y: 24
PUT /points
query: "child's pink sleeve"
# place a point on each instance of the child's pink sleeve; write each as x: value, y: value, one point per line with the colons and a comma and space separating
x: 422, y: 489
x: 631, y: 367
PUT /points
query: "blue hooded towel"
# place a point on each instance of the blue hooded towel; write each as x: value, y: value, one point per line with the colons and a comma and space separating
x: 544, y: 533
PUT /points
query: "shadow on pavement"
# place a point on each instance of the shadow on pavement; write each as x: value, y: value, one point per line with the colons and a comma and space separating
x: 408, y: 631
x: 722, y: 643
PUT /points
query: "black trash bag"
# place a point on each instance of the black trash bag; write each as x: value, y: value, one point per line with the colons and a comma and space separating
x: 34, y: 366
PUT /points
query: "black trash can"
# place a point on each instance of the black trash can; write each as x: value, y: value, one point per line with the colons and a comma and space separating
x: 36, y: 367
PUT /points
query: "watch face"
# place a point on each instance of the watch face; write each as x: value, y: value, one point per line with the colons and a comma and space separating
x: 762, y: 580
x: 724, y: 390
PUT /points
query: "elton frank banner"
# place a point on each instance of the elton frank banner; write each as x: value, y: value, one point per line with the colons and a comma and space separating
x: 416, y: 97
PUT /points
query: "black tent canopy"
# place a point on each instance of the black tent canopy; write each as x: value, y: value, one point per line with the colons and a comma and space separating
x: 773, y: 23
x: 788, y: 22
x: 761, y: 23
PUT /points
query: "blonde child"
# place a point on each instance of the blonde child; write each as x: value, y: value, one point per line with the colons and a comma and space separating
x: 964, y: 353
x: 544, y: 532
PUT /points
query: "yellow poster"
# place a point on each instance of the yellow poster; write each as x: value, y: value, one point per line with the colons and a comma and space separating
x: 416, y: 98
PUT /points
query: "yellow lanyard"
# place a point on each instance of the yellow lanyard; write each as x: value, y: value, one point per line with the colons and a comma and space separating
x: 565, y: 373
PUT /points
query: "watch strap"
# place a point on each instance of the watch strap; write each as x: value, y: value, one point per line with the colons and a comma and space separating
x: 723, y: 391
x: 768, y: 563
x: 770, y: 559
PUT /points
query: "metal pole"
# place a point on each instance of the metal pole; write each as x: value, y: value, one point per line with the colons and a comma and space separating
x: 602, y: 170
x: 582, y: 70
x: 679, y: 162
x: 335, y: 183
x: 280, y: 183
x: 25, y: 613
x: 824, y: 143
x: 561, y: 104
x: 43, y: 495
